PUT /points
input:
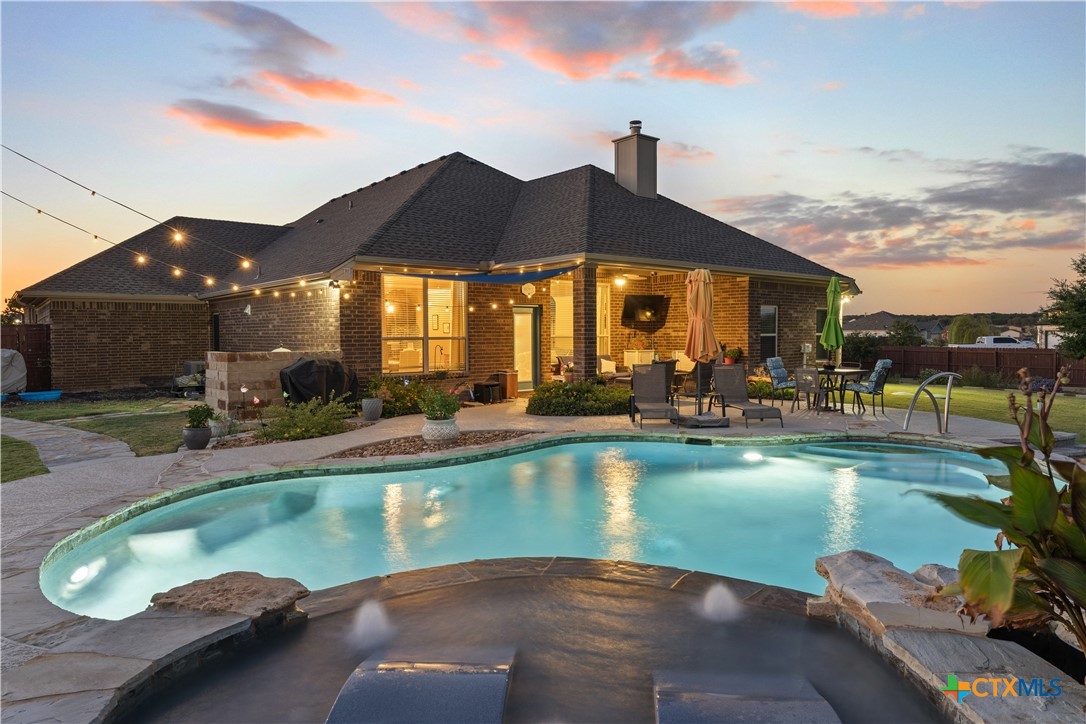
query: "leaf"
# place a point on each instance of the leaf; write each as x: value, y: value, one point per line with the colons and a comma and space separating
x: 1069, y: 575
x: 1040, y: 436
x: 1078, y: 502
x: 1010, y: 455
x: 954, y: 588
x: 976, y: 510
x: 1070, y: 536
x: 1027, y: 609
x: 1069, y: 470
x: 987, y: 580
x: 1035, y: 500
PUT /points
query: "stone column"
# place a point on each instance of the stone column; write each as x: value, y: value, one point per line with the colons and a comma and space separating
x: 584, y: 323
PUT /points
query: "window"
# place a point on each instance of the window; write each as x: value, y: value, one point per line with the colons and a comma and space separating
x: 768, y: 330
x: 561, y: 318
x: 603, y: 319
x: 820, y: 324
x: 423, y: 328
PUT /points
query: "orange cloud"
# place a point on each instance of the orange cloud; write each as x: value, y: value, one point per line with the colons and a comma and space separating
x: 832, y: 85
x: 1027, y: 225
x: 484, y: 59
x: 682, y: 152
x: 627, y: 75
x: 580, y: 65
x: 711, y: 64
x: 915, y: 11
x: 435, y: 118
x: 238, y: 121
x: 408, y: 84
x: 829, y: 9
x: 941, y: 261
x: 328, y: 89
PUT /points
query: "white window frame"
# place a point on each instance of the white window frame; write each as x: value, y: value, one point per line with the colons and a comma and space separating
x: 776, y: 331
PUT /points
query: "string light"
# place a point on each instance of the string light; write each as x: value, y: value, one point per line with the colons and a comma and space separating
x: 293, y: 294
x: 176, y: 272
x: 245, y: 263
x: 141, y: 259
x: 234, y: 287
x: 177, y: 234
x: 347, y: 295
x: 301, y: 282
x: 275, y: 293
x: 256, y: 292
x: 209, y: 281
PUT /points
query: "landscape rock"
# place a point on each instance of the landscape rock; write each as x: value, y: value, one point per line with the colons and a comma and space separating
x: 878, y: 595
x: 936, y: 575
x: 242, y: 592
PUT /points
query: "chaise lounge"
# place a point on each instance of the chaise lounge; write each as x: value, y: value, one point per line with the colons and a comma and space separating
x: 731, y: 386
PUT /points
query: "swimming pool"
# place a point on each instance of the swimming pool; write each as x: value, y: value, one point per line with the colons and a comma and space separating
x: 761, y: 512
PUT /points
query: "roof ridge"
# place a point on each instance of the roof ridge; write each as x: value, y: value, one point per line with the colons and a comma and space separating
x: 444, y: 163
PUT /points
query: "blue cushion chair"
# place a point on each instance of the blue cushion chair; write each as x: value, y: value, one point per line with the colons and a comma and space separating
x: 872, y: 386
x: 778, y: 377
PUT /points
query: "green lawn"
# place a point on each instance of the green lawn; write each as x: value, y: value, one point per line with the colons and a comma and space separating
x: 18, y: 459
x: 145, y: 434
x: 64, y: 409
x: 1068, y: 413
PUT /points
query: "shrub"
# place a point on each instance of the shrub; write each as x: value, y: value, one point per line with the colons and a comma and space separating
x: 977, y: 377
x: 376, y: 389
x: 438, y: 404
x: 200, y: 415
x: 926, y: 373
x: 734, y: 353
x: 862, y: 348
x: 1038, y: 572
x: 315, y: 418
x: 579, y: 399
x: 763, y: 389
x: 404, y: 397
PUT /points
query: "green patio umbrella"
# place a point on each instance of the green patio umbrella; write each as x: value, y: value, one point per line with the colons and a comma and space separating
x: 833, y: 337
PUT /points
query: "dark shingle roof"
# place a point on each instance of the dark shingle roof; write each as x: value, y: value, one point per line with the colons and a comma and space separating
x: 115, y: 271
x: 454, y: 211
x: 877, y: 321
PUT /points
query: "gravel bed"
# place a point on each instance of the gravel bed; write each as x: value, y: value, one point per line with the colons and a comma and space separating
x: 415, y: 445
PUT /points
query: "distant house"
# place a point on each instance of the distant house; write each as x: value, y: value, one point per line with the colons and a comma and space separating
x: 1049, y: 336
x: 931, y: 330
x: 450, y: 267
x: 877, y: 324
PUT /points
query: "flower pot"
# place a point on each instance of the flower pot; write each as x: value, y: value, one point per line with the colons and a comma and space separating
x: 440, y: 430
x: 729, y: 360
x: 371, y: 408
x: 219, y: 428
x: 196, y: 438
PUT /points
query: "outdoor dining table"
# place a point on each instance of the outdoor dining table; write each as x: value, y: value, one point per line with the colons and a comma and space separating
x: 835, y: 381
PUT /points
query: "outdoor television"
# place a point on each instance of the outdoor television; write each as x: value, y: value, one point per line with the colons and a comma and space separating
x: 644, y: 308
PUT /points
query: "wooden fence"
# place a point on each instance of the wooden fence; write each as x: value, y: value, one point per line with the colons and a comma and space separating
x: 908, y: 361
x: 32, y: 342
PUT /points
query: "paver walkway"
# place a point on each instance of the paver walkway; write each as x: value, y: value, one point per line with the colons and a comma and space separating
x: 58, y: 445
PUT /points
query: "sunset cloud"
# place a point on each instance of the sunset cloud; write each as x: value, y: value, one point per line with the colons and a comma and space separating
x: 827, y: 9
x: 960, y: 223
x: 484, y: 59
x: 709, y: 64
x: 914, y: 11
x: 676, y: 151
x: 329, y: 89
x: 408, y: 84
x: 437, y: 119
x: 275, y: 42
x: 580, y: 41
x: 832, y: 86
x: 238, y: 121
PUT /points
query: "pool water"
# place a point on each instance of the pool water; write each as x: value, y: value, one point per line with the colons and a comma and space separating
x: 762, y: 513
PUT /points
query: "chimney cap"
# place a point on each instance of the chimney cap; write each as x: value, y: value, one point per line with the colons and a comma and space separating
x: 635, y: 126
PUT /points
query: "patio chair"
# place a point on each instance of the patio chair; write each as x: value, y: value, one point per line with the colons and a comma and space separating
x: 873, y: 386
x: 609, y: 371
x: 698, y: 384
x: 778, y: 378
x: 564, y: 361
x: 651, y: 394
x: 807, y: 385
x: 730, y: 382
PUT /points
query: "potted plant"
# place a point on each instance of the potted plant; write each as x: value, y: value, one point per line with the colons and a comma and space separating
x: 197, y: 433
x: 731, y: 356
x: 440, y: 408
x: 374, y: 401
x: 221, y: 424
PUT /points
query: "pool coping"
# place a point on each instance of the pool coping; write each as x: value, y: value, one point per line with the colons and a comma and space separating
x: 30, y: 619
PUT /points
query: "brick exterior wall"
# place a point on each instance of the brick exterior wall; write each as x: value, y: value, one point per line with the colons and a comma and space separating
x: 796, y: 304
x: 309, y: 320
x: 360, y: 324
x: 104, y: 345
x: 584, y: 323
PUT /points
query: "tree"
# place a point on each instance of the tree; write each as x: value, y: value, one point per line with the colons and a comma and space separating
x: 862, y: 348
x: 1068, y: 310
x: 12, y: 313
x: 965, y: 328
x: 903, y: 333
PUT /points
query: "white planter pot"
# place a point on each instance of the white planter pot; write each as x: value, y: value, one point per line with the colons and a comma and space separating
x: 371, y: 408
x: 440, y: 430
x: 219, y: 428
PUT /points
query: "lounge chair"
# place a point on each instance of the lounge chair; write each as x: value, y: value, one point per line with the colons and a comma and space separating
x: 651, y: 394
x: 468, y: 684
x: 730, y: 382
x: 778, y: 378
x: 698, y: 384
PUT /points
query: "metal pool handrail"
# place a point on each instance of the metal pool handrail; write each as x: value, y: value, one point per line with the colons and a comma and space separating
x: 943, y: 425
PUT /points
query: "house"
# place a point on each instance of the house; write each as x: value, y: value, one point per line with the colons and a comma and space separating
x: 1049, y: 336
x: 451, y: 267
x: 876, y: 325
x: 931, y: 330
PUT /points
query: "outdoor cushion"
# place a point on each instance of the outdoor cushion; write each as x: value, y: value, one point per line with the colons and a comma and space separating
x: 607, y: 366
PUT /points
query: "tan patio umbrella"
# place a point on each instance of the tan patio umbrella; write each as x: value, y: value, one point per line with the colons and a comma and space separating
x: 701, y: 344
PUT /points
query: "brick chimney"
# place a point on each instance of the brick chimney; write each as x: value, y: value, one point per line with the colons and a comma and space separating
x: 635, y: 162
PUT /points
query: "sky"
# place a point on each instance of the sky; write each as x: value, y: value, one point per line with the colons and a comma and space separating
x: 932, y: 151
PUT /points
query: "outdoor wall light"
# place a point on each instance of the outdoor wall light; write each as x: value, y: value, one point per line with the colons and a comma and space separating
x: 333, y: 284
x: 620, y: 282
x: 347, y: 295
x: 493, y: 305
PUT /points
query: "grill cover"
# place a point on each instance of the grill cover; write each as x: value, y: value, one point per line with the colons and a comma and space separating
x: 308, y: 378
x: 12, y: 371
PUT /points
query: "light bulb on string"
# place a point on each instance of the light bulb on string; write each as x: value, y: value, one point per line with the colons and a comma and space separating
x: 177, y: 236
x: 141, y: 259
x: 176, y: 272
x: 256, y: 292
x: 275, y: 293
x: 245, y: 264
x: 301, y: 282
x: 234, y: 287
x: 209, y: 281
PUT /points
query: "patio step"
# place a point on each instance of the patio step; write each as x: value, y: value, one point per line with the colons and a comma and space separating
x: 693, y: 698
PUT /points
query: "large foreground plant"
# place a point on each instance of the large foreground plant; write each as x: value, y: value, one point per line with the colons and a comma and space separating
x: 1038, y: 572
